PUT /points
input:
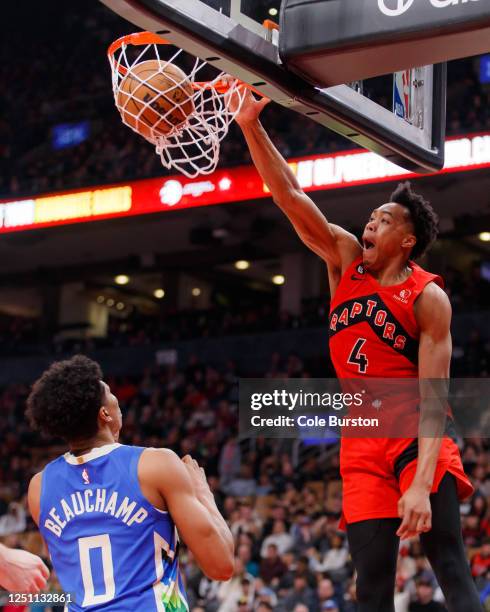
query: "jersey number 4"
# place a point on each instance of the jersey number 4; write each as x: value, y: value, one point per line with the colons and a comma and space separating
x: 358, y: 358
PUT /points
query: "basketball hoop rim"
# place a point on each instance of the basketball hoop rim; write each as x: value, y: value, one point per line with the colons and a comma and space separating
x: 137, y: 39
x: 150, y: 38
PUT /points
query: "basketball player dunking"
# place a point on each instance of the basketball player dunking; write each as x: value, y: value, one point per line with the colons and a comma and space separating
x: 417, y: 483
x: 109, y: 512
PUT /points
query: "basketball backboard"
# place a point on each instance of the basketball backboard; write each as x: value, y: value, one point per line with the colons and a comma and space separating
x: 229, y: 35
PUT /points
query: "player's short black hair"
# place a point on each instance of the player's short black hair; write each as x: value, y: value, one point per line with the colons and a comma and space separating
x: 65, y: 400
x: 425, y: 220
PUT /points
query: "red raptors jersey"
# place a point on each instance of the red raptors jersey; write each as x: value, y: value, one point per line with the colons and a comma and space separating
x: 373, y: 331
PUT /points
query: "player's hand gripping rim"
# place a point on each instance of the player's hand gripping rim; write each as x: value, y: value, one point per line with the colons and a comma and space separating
x: 248, y: 105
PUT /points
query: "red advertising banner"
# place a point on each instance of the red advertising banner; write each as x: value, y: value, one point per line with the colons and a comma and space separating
x: 314, y: 173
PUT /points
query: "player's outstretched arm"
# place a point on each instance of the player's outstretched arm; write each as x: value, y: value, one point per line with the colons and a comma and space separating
x: 183, y: 486
x: 434, y: 362
x: 21, y: 571
x: 332, y: 243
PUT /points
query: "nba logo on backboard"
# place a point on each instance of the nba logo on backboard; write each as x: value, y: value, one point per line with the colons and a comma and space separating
x: 402, y: 92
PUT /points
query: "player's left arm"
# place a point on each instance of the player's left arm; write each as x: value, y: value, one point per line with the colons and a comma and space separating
x: 20, y: 570
x: 433, y: 314
x: 34, y: 496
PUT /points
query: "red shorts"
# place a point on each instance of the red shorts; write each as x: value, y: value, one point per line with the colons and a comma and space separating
x: 377, y: 471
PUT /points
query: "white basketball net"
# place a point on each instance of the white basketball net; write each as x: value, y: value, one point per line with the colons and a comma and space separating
x: 192, y: 147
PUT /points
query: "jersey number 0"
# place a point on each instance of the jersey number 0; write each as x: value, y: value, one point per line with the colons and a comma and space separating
x: 103, y: 542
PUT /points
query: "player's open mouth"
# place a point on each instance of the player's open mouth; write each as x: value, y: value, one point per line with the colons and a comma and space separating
x: 368, y: 244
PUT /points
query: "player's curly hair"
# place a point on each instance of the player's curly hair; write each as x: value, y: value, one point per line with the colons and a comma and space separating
x: 425, y: 220
x: 65, y: 400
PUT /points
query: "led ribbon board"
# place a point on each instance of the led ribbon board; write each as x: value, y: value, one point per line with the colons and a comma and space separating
x: 226, y: 186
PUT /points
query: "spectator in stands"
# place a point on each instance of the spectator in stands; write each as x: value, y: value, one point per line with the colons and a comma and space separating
x: 264, y: 607
x: 244, y: 553
x: 326, y: 592
x: 350, y: 598
x: 266, y: 596
x: 280, y: 537
x: 424, y: 601
x: 296, y: 566
x: 480, y: 563
x: 272, y: 566
x: 300, y: 594
x: 229, y: 462
x: 246, y: 521
x: 14, y: 520
x: 335, y: 559
x: 472, y: 530
x: 301, y: 532
x: 238, y: 587
x: 243, y: 485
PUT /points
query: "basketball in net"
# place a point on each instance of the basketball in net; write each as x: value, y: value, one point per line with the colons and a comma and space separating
x: 185, y: 114
x: 155, y: 96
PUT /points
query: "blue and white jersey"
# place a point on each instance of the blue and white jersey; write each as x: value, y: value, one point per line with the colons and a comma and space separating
x: 112, y: 550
